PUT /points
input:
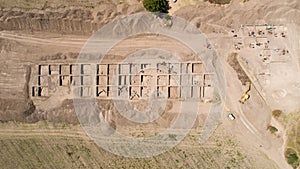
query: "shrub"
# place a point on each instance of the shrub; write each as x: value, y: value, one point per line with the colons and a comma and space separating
x: 220, y: 2
x: 156, y: 5
x: 292, y: 158
x: 272, y: 129
x: 276, y: 113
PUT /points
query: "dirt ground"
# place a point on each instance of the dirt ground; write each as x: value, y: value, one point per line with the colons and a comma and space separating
x: 52, y: 32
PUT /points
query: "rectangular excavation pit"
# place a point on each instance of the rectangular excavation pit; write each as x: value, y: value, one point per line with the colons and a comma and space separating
x: 102, y: 69
x: 112, y: 91
x: 186, y: 68
x: 135, y: 80
x: 53, y: 81
x: 112, y: 69
x: 86, y: 69
x: 196, y: 92
x: 186, y: 92
x: 174, y: 80
x: 186, y: 79
x: 75, y: 80
x: 134, y: 92
x: 74, y: 69
x: 146, y: 80
x: 162, y: 68
x: 162, y: 80
x: 86, y: 80
x: 44, y: 91
x: 87, y: 91
x: 135, y: 69
x: 145, y: 66
x: 162, y: 92
x: 124, y: 69
x: 38, y: 91
x: 207, y: 80
x: 169, y: 83
x: 65, y: 70
x: 123, y: 80
x: 34, y: 91
x: 77, y: 92
x: 174, y: 68
x: 145, y: 91
x: 207, y: 93
x: 43, y: 70
x: 43, y: 80
x: 54, y: 70
x: 101, y: 80
x: 123, y: 92
x: 101, y: 91
x: 64, y: 80
x: 197, y: 80
x: 197, y: 68
x: 174, y: 92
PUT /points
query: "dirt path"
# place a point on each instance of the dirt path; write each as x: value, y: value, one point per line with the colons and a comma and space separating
x: 68, y: 42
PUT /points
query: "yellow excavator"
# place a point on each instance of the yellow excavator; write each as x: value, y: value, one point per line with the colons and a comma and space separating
x: 246, y: 96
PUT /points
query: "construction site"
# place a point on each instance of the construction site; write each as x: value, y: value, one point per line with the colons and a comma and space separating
x: 133, y: 80
x: 150, y: 100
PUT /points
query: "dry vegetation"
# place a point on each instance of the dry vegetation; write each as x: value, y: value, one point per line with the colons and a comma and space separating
x: 59, y: 145
x: 221, y: 2
x: 292, y: 124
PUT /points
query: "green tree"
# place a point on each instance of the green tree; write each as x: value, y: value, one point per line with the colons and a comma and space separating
x: 156, y: 5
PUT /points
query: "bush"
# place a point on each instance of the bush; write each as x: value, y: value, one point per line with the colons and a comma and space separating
x: 276, y: 113
x: 221, y: 2
x: 292, y: 158
x: 156, y: 5
x: 272, y: 129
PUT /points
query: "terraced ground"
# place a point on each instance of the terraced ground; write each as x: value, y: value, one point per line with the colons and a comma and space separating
x: 53, y: 145
x: 43, y: 4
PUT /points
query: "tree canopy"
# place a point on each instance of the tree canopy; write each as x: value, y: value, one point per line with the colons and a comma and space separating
x: 156, y: 5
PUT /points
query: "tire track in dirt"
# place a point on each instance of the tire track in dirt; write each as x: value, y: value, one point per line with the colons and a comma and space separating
x: 52, y: 41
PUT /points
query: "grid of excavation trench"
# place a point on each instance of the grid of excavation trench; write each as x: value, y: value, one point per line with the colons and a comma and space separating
x: 128, y: 80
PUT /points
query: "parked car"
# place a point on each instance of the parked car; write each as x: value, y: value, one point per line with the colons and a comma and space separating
x: 231, y: 116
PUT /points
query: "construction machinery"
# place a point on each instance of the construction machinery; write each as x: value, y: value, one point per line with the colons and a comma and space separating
x: 246, y: 96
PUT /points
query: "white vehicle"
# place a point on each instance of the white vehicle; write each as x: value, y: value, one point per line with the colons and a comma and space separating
x: 174, y: 1
x: 231, y: 116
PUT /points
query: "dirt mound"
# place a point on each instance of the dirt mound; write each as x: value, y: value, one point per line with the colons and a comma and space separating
x: 215, y: 18
x: 64, y: 20
x: 233, y: 62
x: 15, y: 109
